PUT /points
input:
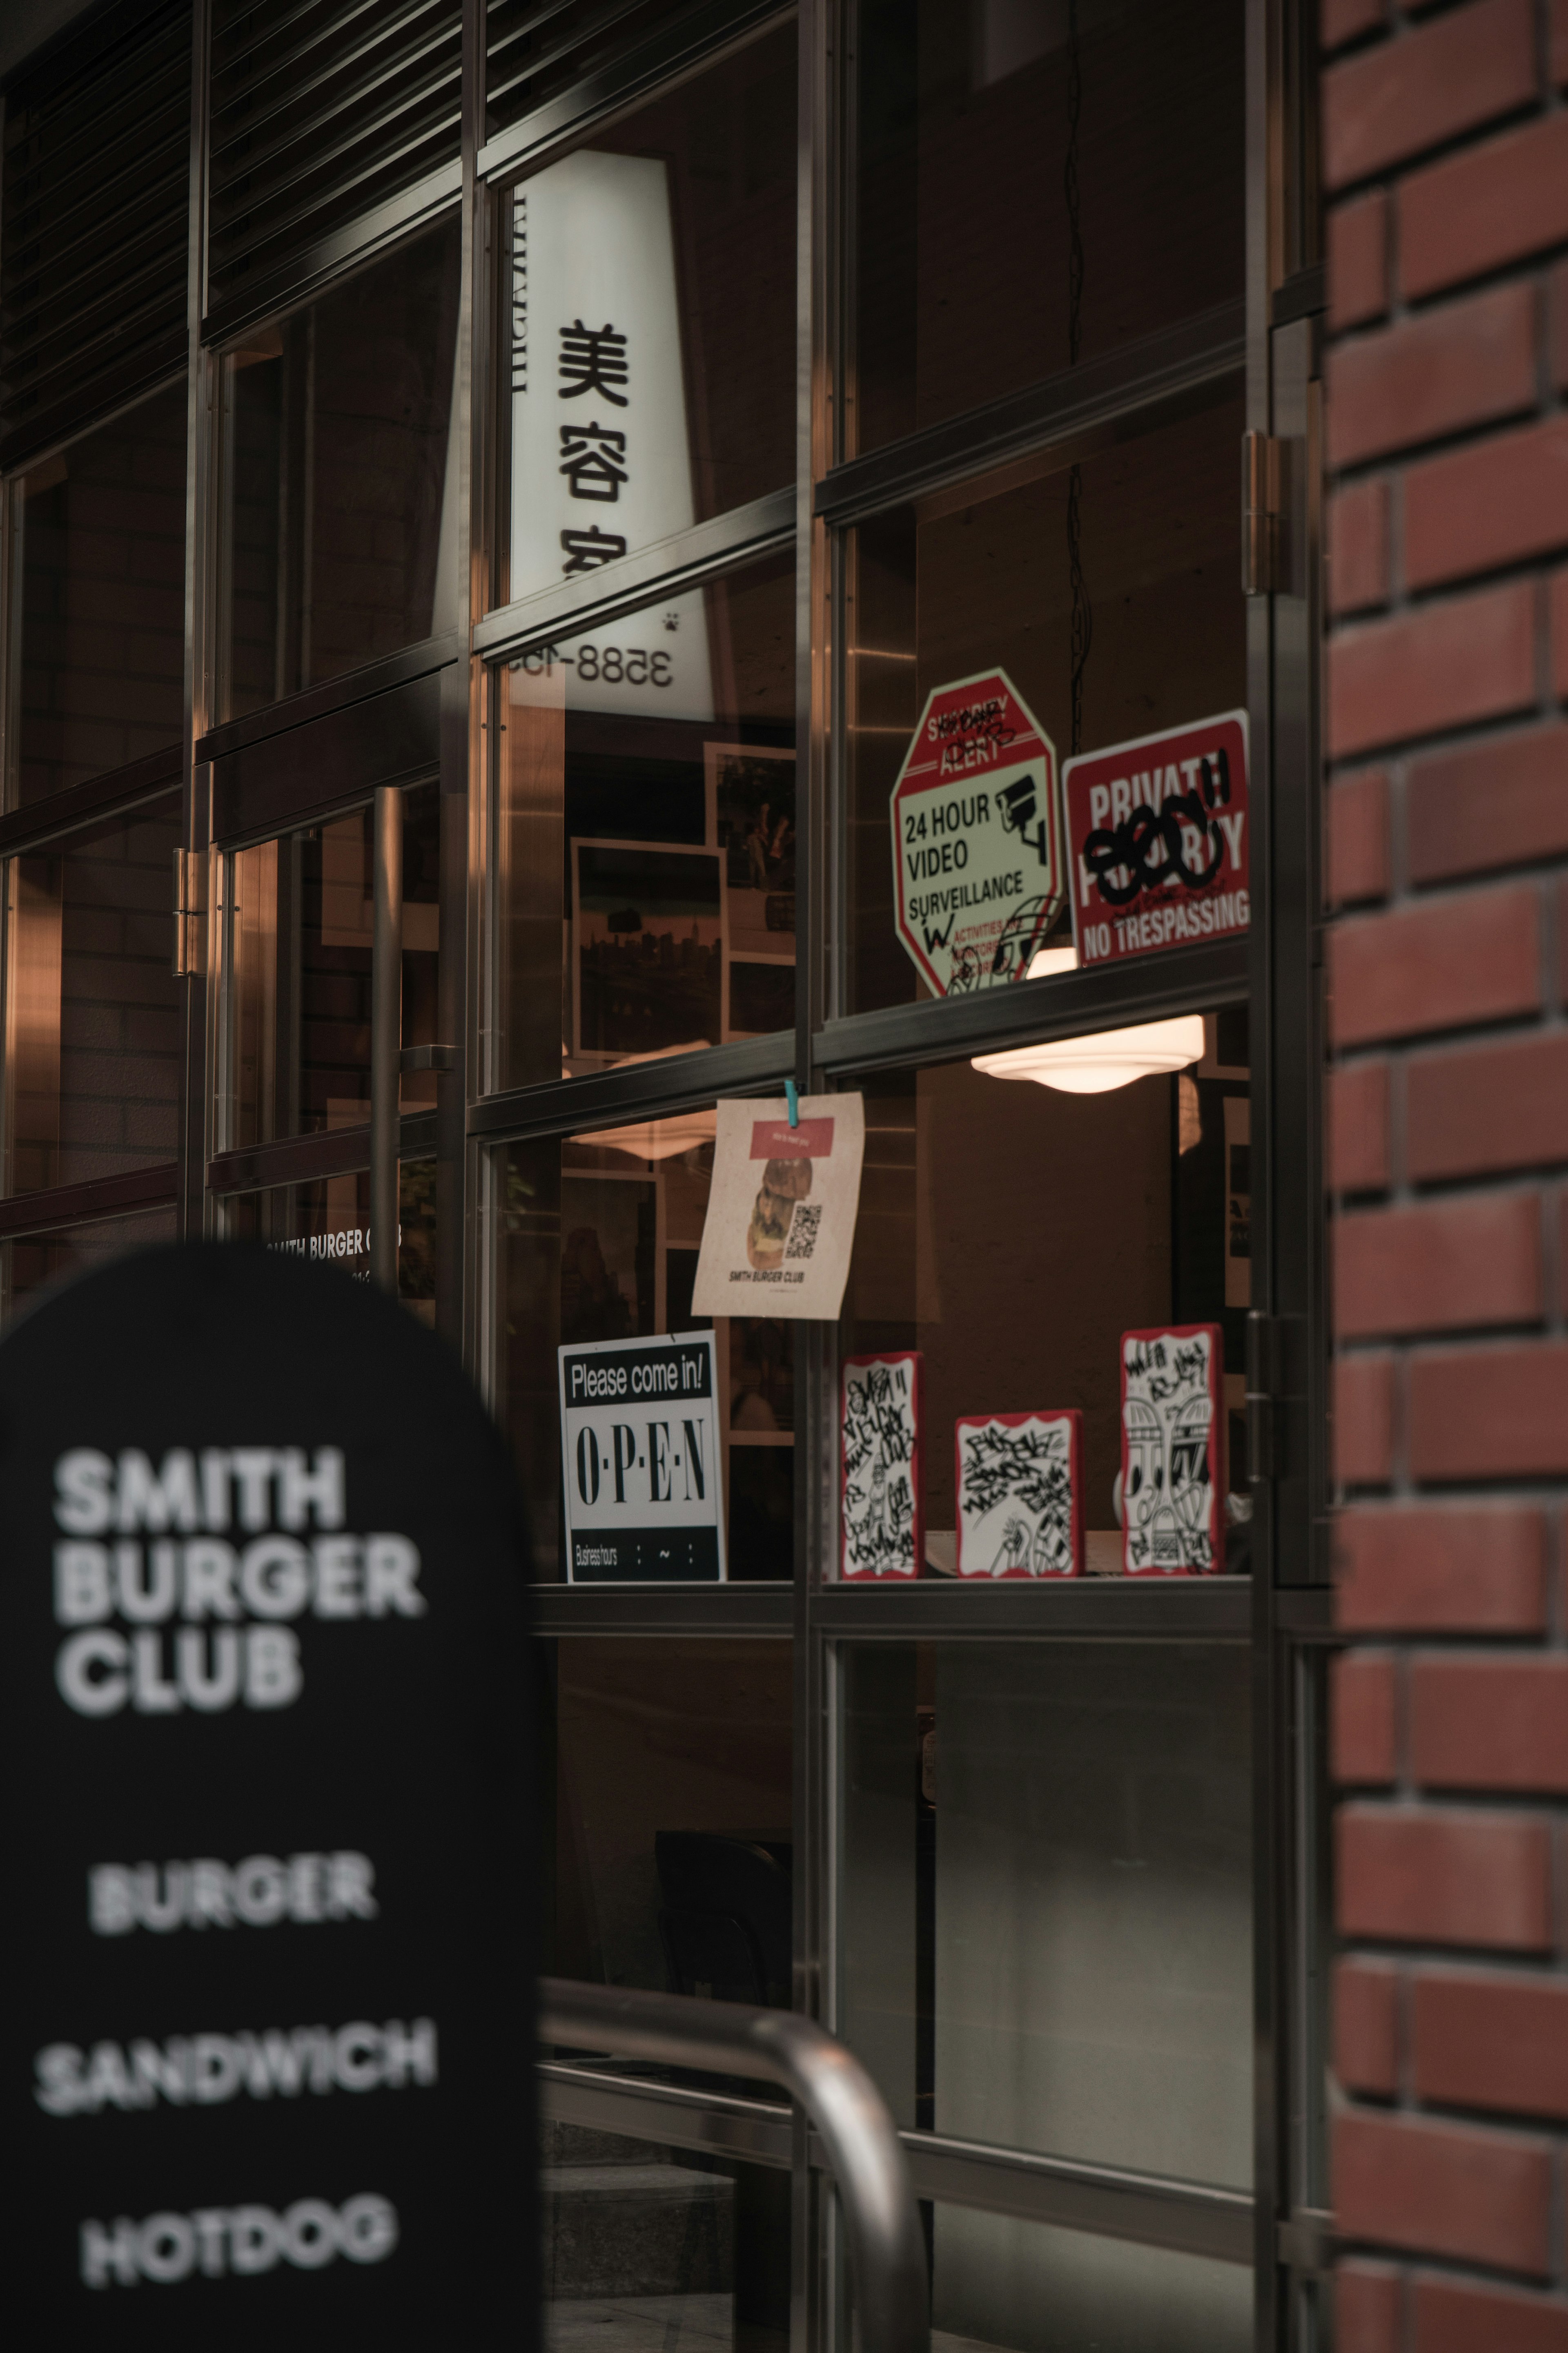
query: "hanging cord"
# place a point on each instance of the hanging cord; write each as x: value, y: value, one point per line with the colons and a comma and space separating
x: 1082, y: 610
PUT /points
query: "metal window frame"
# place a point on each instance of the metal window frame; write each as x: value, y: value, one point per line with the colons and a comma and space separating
x: 1283, y: 1610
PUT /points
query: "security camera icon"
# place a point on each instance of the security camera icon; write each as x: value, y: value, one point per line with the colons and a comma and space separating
x: 1018, y: 806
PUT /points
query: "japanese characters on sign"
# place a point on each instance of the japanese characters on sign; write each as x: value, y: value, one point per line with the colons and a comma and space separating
x: 600, y: 453
x: 640, y: 1472
x: 1158, y: 839
x: 978, y: 871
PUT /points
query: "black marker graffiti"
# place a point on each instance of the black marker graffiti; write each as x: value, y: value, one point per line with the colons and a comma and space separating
x: 1129, y: 848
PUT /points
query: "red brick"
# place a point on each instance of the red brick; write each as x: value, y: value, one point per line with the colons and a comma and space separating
x: 1468, y: 659
x: 1363, y: 1735
x: 1453, y: 2316
x: 1358, y: 1128
x: 1438, y: 1267
x: 1440, y: 1571
x: 1357, y: 261
x: 1557, y: 324
x: 1557, y: 40
x: 1490, y: 1723
x: 1368, y: 2308
x: 1358, y: 547
x: 1558, y: 617
x: 1442, y: 1877
x: 1358, y: 838
x: 1387, y: 104
x: 1364, y: 1421
x: 1472, y: 2196
x: 1487, y: 207
x: 1491, y: 2041
x: 1489, y: 1413
x: 1435, y: 966
x: 1499, y: 804
x: 1466, y: 364
x: 1366, y: 2025
x: 1500, y: 502
x: 1486, y: 1108
x: 1341, y: 20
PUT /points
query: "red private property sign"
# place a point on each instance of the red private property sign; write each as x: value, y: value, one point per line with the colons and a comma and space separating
x: 978, y: 872
x: 1158, y: 834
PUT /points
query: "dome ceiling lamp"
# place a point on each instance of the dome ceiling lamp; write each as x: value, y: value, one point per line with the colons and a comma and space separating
x: 1108, y: 1059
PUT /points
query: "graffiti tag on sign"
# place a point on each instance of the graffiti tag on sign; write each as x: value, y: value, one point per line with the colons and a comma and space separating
x: 978, y: 872
x: 1158, y: 838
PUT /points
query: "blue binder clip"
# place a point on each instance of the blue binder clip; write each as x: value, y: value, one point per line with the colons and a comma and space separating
x: 793, y: 1099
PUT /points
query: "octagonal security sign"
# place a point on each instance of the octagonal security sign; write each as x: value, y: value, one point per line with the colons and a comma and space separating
x: 979, y: 873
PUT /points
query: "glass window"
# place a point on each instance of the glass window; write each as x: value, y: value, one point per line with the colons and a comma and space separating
x: 1012, y: 1231
x: 653, y: 320
x: 101, y: 573
x: 671, y: 1777
x: 645, y: 832
x: 597, y: 1237
x: 646, y: 2246
x: 1103, y: 142
x: 94, y: 1047
x: 1046, y: 1895
x: 1033, y: 2289
x: 327, y: 1221
x: 978, y: 576
x: 30, y: 1266
x: 339, y: 498
x: 300, y: 921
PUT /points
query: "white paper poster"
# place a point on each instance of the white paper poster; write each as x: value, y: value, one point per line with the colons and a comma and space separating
x: 601, y: 461
x: 782, y: 1208
x: 642, y: 1484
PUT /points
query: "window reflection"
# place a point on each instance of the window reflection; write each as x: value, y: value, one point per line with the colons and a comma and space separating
x: 966, y: 110
x: 980, y: 576
x: 338, y: 531
x: 301, y: 922
x: 92, y: 1059
x: 598, y: 1238
x: 647, y: 834
x: 1013, y: 1232
x: 1046, y: 1896
x: 102, y: 599
x: 651, y: 320
x: 326, y: 1222
x: 30, y: 1266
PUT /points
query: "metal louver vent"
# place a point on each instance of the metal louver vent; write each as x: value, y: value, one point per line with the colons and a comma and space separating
x: 538, y: 49
x: 323, y: 112
x: 93, y: 253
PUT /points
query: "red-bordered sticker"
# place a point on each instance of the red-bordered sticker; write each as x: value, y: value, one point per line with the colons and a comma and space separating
x: 1159, y: 840
x: 1018, y: 1478
x: 881, y: 1506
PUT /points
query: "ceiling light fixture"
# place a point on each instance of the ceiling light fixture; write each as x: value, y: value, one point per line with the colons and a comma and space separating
x: 1110, y: 1057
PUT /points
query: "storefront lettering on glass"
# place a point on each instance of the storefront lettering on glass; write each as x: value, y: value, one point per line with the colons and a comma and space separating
x: 1158, y: 836
x: 883, y: 1514
x: 1172, y: 1452
x: 978, y: 872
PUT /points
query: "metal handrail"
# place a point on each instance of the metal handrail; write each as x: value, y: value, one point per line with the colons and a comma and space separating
x: 887, y: 2245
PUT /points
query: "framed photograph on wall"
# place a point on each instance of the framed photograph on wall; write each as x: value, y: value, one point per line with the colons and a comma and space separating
x: 882, y: 1510
x: 647, y: 949
x: 1019, y: 1484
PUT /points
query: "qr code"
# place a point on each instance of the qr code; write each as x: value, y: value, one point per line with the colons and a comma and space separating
x: 803, y: 1229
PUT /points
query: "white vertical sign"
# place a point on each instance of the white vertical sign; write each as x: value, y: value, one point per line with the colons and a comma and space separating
x: 601, y: 462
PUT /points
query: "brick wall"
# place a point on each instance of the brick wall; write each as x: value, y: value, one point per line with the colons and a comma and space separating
x: 1445, y: 163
